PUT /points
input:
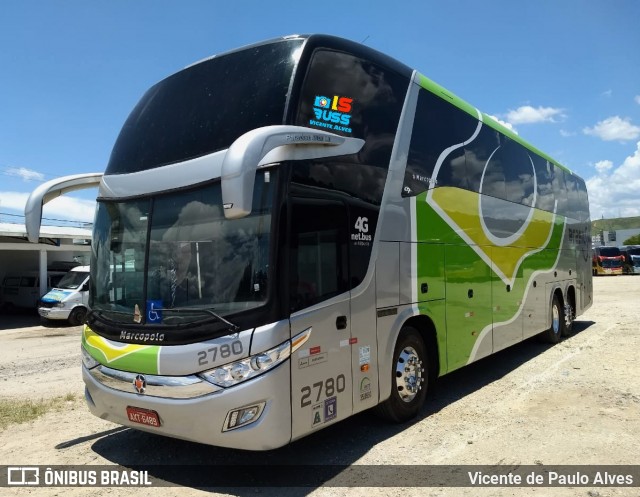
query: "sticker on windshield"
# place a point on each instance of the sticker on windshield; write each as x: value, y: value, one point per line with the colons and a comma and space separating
x: 154, y: 311
x: 56, y: 296
x: 332, y: 113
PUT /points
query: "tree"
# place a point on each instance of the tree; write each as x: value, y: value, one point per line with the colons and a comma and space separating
x: 634, y: 240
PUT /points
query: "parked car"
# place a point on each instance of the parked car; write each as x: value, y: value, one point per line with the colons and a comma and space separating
x: 69, y: 298
x: 22, y: 290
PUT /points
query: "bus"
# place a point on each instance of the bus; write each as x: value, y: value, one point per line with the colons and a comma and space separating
x: 607, y: 261
x: 296, y: 231
x: 631, y: 262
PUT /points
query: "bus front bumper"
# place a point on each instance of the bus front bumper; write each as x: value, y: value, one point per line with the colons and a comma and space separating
x: 203, y: 419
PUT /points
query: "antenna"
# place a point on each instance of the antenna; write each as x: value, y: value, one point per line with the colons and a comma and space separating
x: 365, y: 39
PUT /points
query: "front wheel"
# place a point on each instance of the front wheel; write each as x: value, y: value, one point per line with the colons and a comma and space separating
x: 77, y: 316
x: 409, y: 378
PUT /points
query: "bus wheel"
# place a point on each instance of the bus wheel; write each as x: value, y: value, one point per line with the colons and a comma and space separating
x: 558, y: 324
x: 409, y: 378
x: 77, y: 316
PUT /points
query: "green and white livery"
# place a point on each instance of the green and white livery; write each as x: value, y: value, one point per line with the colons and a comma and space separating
x: 303, y: 229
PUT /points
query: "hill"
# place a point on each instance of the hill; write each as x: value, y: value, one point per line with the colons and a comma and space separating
x: 617, y: 223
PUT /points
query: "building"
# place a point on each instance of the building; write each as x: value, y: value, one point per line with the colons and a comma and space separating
x: 613, y: 238
x: 56, y: 244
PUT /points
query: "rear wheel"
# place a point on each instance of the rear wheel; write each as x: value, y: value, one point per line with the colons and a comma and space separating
x: 77, y: 316
x: 409, y: 378
x: 558, y: 323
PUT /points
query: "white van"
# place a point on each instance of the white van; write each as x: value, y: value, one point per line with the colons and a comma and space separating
x: 69, y: 298
x: 23, y: 289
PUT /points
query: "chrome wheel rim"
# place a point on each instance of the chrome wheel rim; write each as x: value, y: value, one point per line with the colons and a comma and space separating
x: 555, y: 319
x: 409, y: 377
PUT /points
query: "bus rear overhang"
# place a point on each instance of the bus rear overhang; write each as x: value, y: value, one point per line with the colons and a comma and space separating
x: 271, y: 144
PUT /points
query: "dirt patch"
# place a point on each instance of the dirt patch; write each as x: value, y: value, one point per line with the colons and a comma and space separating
x: 574, y: 403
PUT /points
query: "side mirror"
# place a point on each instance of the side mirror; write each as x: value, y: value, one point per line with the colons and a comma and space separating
x: 273, y: 144
x: 47, y: 192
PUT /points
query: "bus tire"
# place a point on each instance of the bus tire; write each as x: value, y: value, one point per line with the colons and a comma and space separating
x: 409, y: 378
x: 557, y: 329
x: 77, y: 316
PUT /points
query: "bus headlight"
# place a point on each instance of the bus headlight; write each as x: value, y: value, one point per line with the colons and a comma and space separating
x: 236, y: 372
x: 245, y: 369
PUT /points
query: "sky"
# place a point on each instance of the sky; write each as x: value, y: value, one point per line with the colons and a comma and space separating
x: 565, y: 75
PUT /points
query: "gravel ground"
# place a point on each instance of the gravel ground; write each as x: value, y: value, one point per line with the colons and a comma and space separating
x: 574, y: 403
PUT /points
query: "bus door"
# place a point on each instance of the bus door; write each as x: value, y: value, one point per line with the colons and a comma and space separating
x: 319, y: 299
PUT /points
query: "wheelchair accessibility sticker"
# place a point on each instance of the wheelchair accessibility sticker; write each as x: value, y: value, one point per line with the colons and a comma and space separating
x: 154, y: 311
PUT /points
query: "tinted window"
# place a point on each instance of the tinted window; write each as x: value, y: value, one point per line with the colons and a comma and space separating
x: 28, y: 281
x: 584, y: 200
x: 437, y: 126
x: 477, y: 154
x: 559, y: 189
x: 493, y: 172
x: 572, y: 197
x: 544, y: 177
x: 318, y: 254
x: 358, y: 180
x: 518, y: 172
x: 350, y: 96
x: 205, y: 107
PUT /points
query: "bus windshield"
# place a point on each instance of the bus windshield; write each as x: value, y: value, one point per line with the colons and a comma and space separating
x: 609, y: 251
x: 175, y: 258
x: 205, y: 107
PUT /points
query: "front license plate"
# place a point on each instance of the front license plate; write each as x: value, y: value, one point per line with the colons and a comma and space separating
x: 143, y: 416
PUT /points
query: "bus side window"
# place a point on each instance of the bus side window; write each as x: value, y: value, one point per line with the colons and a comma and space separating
x: 318, y: 252
x: 437, y: 126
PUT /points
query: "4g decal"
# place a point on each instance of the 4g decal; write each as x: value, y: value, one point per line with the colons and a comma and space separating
x: 362, y: 227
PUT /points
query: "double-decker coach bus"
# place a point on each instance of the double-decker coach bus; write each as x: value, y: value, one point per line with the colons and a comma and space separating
x: 296, y: 231
x: 607, y: 261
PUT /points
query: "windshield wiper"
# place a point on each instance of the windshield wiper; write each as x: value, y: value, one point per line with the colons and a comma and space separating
x: 191, y: 310
x: 176, y: 310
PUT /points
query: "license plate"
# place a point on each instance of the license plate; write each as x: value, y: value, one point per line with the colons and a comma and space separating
x: 143, y: 416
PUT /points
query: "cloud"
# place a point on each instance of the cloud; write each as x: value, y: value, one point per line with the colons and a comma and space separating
x: 506, y: 124
x: 24, y: 173
x: 63, y: 207
x: 614, y: 128
x: 607, y: 93
x: 527, y: 115
x: 637, y: 99
x: 603, y: 165
x: 613, y: 191
x: 566, y: 134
